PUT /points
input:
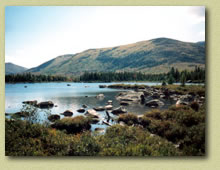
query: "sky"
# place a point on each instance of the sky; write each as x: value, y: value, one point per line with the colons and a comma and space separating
x: 36, y: 34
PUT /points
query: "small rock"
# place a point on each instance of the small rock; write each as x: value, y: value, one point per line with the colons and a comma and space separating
x: 45, y: 105
x: 67, y: 113
x: 180, y: 102
x: 100, y: 108
x: 81, y: 110
x: 154, y: 103
x: 84, y: 106
x: 92, y: 113
x: 124, y: 103
x: 100, y: 130
x: 102, y: 86
x: 109, y: 102
x: 100, y: 96
x: 119, y: 110
x: 108, y: 107
x: 30, y: 102
x: 95, y: 120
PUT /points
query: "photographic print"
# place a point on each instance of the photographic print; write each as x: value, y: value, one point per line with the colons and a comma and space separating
x: 105, y: 81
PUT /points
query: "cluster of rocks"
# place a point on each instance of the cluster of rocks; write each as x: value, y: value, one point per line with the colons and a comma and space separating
x: 155, y: 97
x: 42, y: 105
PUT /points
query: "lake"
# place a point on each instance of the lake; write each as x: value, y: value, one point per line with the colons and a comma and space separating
x: 68, y: 97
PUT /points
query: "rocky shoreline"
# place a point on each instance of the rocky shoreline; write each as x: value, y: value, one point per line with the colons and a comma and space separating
x: 152, y: 97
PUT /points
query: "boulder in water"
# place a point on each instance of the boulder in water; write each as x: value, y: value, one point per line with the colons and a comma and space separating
x: 154, y: 103
x: 119, y: 110
x: 67, y: 113
x: 81, y: 110
x: 45, y: 105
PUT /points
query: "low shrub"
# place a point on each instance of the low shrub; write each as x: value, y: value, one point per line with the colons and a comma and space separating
x: 128, y: 119
x: 156, y: 114
x: 134, y: 141
x: 73, y: 124
x: 23, y: 138
x: 180, y: 125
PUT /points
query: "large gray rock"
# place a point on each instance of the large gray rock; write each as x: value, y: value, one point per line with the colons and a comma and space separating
x: 131, y: 96
x: 92, y: 113
x: 154, y: 103
x: 119, y: 110
x: 100, y: 108
x: 45, y: 105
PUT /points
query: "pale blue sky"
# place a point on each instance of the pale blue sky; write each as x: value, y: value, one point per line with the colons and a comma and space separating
x: 37, y: 34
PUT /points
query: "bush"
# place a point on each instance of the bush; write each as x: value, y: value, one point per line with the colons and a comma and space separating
x: 181, y: 125
x: 128, y: 119
x: 134, y: 141
x: 25, y: 139
x: 73, y: 124
x: 84, y: 144
x: 194, y: 106
x: 156, y: 114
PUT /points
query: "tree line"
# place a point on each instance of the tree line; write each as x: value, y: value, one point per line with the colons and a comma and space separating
x: 32, y: 78
x: 174, y: 75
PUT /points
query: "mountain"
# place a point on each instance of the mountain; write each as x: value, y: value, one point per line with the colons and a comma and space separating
x: 11, y: 68
x: 152, y: 56
x: 202, y: 43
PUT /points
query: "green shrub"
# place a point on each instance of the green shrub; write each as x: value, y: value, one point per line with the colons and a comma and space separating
x: 180, y: 125
x: 134, y: 141
x: 128, y: 119
x: 25, y: 139
x: 73, y: 124
x: 84, y: 144
x: 156, y: 114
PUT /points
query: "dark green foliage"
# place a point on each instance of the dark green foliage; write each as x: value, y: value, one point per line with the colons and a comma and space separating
x: 120, y: 76
x: 198, y: 75
x: 84, y: 145
x: 183, y: 80
x: 32, y: 78
x: 194, y: 106
x: 181, y: 125
x: 26, y: 139
x: 170, y: 79
x: 72, y: 124
x: 134, y: 141
x: 129, y: 119
x: 164, y: 83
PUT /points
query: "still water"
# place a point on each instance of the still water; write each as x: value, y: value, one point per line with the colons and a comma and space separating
x: 67, y: 97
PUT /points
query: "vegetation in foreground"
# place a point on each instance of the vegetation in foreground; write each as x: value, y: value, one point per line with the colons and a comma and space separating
x: 176, y: 131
